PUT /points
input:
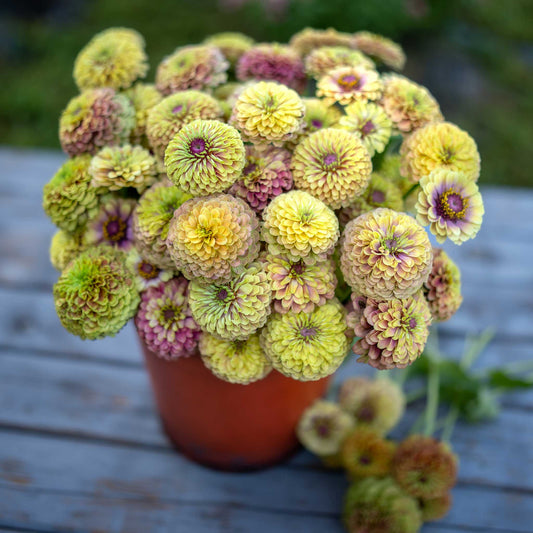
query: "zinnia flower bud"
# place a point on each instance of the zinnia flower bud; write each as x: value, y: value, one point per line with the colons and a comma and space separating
x: 96, y: 294
x: 241, y: 362
x: 307, y: 346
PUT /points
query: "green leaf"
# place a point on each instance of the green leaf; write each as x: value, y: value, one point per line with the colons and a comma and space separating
x: 505, y: 380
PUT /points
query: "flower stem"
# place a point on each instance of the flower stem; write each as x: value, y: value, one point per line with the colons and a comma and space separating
x: 413, y: 188
x: 432, y: 403
x: 449, y: 423
x: 415, y: 395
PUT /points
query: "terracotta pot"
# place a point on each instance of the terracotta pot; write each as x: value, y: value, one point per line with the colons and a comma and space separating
x: 228, y: 426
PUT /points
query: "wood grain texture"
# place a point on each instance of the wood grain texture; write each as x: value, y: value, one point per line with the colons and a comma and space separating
x: 80, y: 444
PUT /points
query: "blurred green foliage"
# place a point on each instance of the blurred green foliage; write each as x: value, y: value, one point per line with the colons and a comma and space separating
x: 474, y: 55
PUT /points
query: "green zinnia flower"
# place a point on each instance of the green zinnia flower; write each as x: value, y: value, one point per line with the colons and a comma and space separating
x: 96, y: 294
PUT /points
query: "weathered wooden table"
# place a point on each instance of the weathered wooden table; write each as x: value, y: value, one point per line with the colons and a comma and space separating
x: 80, y: 444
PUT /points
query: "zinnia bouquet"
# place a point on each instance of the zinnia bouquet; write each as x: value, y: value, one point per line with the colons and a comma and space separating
x: 261, y: 206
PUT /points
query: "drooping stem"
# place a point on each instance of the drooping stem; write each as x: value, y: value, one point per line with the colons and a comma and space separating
x: 449, y: 423
x: 413, y: 188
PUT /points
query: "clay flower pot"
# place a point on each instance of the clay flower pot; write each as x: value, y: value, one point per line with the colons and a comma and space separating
x: 224, y: 425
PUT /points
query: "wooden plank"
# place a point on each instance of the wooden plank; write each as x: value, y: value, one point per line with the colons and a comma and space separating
x: 39, y: 510
x: 94, y: 472
x: 92, y: 401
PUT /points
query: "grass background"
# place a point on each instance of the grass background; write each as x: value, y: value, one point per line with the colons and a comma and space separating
x: 475, y: 56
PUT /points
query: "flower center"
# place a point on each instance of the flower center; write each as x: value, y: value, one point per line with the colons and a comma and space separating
x: 308, y: 333
x: 177, y: 109
x: 364, y: 460
x: 316, y: 123
x: 322, y: 426
x: 222, y: 294
x: 330, y: 160
x: 391, y: 244
x: 197, y: 146
x: 451, y: 205
x: 378, y: 196
x: 147, y: 271
x: 348, y: 81
x: 169, y: 314
x: 367, y: 128
x: 249, y: 168
x: 447, y: 154
x: 114, y: 229
x: 270, y: 104
x: 365, y: 413
x: 297, y: 269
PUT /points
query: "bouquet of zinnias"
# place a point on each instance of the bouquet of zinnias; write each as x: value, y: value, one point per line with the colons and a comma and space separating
x: 252, y: 205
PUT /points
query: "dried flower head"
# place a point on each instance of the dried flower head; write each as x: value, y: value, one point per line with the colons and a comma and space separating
x: 146, y: 274
x: 321, y: 60
x: 266, y: 174
x: 69, y: 199
x: 409, y: 105
x: 323, y: 428
x: 231, y: 44
x: 370, y: 123
x: 307, y: 346
x: 151, y: 221
x: 451, y: 205
x: 201, y: 67
x: 143, y: 97
x: 443, y: 287
x: 392, y: 334
x: 309, y: 39
x: 380, y: 506
x: 116, y: 167
x: 378, y: 404
x: 365, y: 453
x: 299, y: 226
x: 241, y: 362
x: 345, y: 85
x: 113, y: 58
x: 380, y: 48
x: 272, y: 62
x: 268, y: 112
x: 112, y: 224
x: 64, y: 247
x: 205, y: 157
x: 298, y: 287
x: 385, y: 254
x: 210, y: 236
x: 333, y: 165
x: 439, y: 145
x: 424, y: 467
x: 93, y: 119
x: 235, y: 309
x: 435, y: 508
x: 164, y: 320
x: 168, y: 117
x: 96, y: 293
